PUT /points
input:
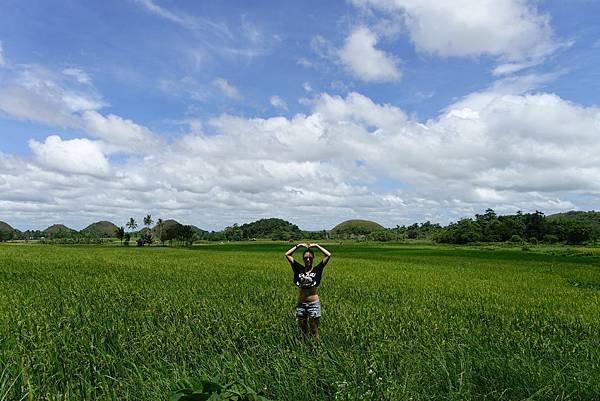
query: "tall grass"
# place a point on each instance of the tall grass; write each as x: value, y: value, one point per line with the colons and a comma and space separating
x: 399, y: 323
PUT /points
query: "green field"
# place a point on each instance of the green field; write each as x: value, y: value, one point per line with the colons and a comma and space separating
x: 399, y: 323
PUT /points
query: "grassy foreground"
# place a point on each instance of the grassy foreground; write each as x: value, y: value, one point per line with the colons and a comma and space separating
x: 399, y: 323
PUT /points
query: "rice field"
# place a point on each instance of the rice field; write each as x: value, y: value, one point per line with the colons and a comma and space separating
x: 399, y: 323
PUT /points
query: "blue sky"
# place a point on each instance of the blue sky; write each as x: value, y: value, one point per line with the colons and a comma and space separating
x: 223, y: 112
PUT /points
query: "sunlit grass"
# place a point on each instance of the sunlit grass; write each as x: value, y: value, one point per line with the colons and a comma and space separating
x: 399, y: 322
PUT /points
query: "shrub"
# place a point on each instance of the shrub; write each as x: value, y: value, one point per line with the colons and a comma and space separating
x: 516, y: 239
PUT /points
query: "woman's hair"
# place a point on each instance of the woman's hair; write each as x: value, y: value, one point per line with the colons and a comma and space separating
x: 309, y: 251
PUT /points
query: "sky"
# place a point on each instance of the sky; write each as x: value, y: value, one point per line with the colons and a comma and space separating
x: 215, y: 113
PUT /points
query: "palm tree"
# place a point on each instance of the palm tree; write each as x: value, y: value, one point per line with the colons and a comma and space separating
x: 148, y: 235
x: 131, y: 224
x: 120, y: 232
x: 148, y: 221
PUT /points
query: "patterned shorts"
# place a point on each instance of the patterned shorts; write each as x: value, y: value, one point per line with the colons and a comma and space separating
x: 308, y: 309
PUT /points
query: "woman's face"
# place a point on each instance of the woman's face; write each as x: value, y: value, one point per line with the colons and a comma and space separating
x: 308, y: 259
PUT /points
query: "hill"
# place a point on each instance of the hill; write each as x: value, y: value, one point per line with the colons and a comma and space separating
x: 6, y: 227
x: 7, y: 232
x: 591, y: 218
x: 266, y: 228
x: 356, y: 227
x: 59, y: 231
x: 167, y: 224
x: 171, y: 227
x: 104, y: 229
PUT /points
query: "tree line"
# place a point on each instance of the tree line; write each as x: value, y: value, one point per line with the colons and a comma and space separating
x: 573, y: 228
x: 568, y: 228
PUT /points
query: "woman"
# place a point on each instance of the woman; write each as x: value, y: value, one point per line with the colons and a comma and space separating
x: 307, y: 278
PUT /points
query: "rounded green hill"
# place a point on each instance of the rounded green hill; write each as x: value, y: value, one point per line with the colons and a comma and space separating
x: 356, y: 227
x: 101, y: 229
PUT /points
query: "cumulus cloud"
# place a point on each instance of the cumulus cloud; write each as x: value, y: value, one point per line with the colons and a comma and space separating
x: 278, y: 102
x: 226, y: 88
x: 34, y: 93
x: 512, y: 30
x: 124, y: 135
x: 364, y: 61
x: 75, y: 156
x: 506, y: 147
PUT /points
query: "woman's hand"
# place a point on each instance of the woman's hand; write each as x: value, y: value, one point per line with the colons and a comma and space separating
x: 303, y: 244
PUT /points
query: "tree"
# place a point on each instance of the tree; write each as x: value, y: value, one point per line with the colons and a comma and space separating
x: 186, y: 234
x: 147, y: 238
x: 120, y: 233
x: 462, y: 232
x: 535, y: 225
x: 131, y: 224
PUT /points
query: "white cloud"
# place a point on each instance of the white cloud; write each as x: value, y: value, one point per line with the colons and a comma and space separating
x: 304, y: 62
x: 364, y: 61
x: 186, y: 86
x: 226, y: 88
x: 75, y: 156
x: 37, y: 94
x: 81, y: 76
x: 512, y: 30
x: 192, y: 23
x: 503, y: 147
x: 307, y: 87
x: 121, y: 134
x: 2, y: 61
x: 322, y: 47
x: 278, y: 102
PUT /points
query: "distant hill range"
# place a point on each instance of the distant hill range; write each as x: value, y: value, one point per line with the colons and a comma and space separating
x: 588, y: 218
x: 103, y: 229
x: 564, y: 227
x: 356, y: 227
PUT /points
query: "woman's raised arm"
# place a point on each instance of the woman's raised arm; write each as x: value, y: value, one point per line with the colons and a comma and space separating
x: 291, y: 251
x: 325, y: 252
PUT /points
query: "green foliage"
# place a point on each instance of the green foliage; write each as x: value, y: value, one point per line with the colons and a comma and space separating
x: 120, y: 233
x: 531, y: 227
x: 205, y: 390
x: 399, y: 322
x: 276, y: 229
x: 462, y: 232
x: 382, y: 235
x: 516, y: 239
x: 131, y: 224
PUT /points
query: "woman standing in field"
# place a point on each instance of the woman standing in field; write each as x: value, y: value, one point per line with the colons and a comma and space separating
x: 307, y: 278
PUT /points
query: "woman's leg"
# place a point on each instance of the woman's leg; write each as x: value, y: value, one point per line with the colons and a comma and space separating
x: 314, y: 327
x: 303, y: 325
